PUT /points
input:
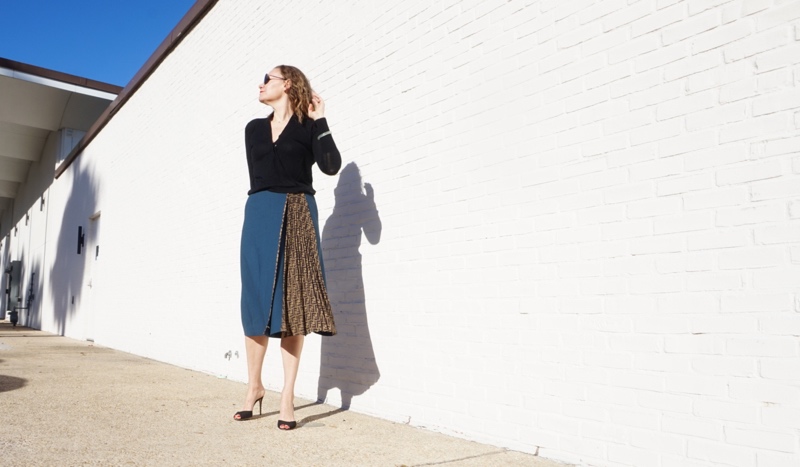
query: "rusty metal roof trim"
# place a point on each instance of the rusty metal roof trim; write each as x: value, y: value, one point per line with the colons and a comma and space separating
x: 59, y: 76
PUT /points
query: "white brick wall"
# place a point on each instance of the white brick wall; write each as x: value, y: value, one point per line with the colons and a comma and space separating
x: 589, y: 218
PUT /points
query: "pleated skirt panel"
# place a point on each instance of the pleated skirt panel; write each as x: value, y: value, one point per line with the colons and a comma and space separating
x: 283, y: 278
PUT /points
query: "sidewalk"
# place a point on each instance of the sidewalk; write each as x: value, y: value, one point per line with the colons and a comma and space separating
x: 65, y: 403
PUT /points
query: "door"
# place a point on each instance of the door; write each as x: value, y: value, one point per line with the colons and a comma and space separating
x: 89, y: 301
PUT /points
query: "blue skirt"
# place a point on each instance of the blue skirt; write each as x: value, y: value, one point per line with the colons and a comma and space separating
x: 283, y: 280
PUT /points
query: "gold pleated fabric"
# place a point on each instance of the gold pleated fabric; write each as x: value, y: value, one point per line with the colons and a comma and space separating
x: 306, y: 307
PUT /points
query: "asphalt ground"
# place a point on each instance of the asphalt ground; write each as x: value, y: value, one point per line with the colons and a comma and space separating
x: 65, y: 402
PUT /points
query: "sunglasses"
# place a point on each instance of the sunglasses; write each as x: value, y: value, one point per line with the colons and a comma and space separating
x: 268, y: 77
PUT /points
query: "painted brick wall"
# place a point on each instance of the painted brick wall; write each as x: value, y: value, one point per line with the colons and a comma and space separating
x: 564, y: 227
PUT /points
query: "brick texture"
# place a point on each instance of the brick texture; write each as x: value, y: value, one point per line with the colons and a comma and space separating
x: 554, y: 217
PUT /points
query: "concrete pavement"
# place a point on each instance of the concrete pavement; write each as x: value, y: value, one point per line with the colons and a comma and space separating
x: 67, y: 403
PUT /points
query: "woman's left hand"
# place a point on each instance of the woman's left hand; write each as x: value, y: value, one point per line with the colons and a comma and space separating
x: 316, y: 109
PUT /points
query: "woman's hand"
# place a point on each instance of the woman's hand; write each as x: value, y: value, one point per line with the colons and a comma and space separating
x: 316, y: 109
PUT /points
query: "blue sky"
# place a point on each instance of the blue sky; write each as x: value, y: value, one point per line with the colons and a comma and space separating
x: 105, y: 40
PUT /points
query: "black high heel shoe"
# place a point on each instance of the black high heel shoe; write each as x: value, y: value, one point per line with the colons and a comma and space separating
x: 245, y: 414
x: 290, y: 425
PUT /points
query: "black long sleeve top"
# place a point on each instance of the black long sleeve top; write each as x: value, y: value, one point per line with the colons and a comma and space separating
x: 284, y: 166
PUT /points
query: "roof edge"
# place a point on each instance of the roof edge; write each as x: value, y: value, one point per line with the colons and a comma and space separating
x: 184, y: 26
x: 59, y: 76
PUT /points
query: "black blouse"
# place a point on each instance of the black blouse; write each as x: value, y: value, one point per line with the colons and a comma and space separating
x: 285, y: 165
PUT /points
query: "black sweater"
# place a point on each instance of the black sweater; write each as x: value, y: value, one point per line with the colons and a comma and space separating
x: 285, y: 165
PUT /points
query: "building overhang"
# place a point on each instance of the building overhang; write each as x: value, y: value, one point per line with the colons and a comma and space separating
x: 34, y: 103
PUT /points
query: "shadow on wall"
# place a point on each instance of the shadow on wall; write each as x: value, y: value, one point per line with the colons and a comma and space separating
x: 67, y: 279
x: 33, y: 298
x: 6, y: 261
x: 17, y: 300
x: 348, y: 359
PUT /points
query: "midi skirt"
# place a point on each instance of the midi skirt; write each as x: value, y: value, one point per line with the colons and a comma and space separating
x: 283, y: 276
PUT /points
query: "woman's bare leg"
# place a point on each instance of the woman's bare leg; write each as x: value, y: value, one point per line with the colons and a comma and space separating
x: 256, y: 348
x: 291, y: 347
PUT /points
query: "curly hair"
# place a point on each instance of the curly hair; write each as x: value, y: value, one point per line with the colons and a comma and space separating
x: 299, y: 92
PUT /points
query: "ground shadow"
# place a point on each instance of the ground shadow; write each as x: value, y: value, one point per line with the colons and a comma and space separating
x: 69, y: 268
x: 10, y: 383
x: 319, y: 416
x: 348, y: 359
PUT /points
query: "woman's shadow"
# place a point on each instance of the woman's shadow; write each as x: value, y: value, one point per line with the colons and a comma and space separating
x: 348, y: 359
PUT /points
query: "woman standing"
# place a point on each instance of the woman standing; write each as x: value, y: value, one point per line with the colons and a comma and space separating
x: 283, y: 284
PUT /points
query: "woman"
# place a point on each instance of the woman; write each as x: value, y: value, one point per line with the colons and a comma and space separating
x: 283, y: 285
